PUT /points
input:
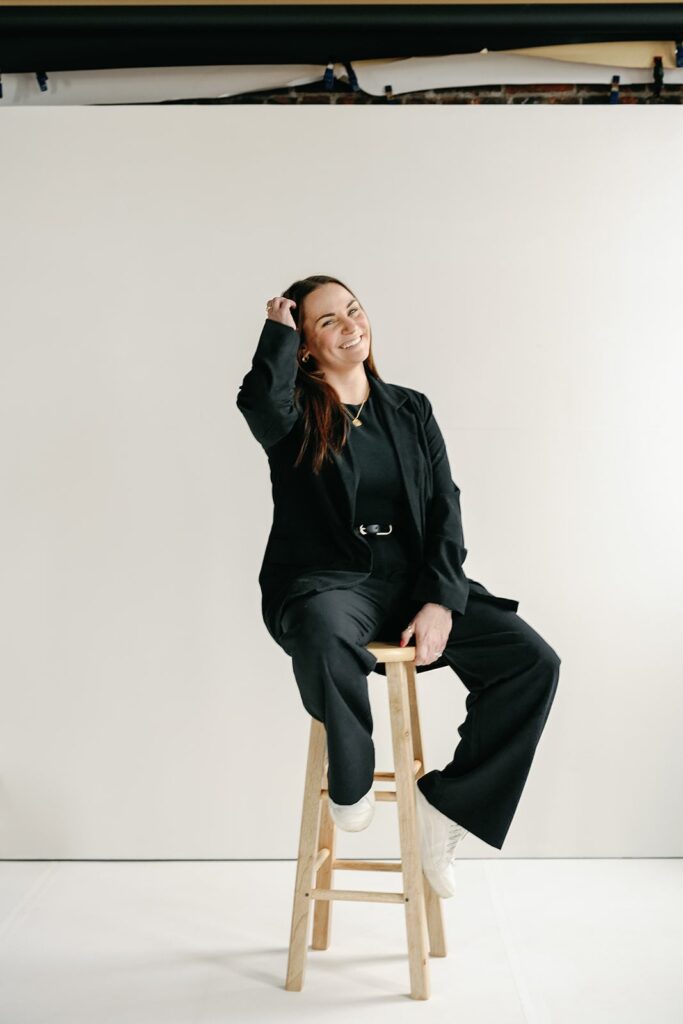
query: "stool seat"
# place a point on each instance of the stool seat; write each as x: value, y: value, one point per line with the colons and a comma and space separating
x: 391, y: 652
x: 316, y: 859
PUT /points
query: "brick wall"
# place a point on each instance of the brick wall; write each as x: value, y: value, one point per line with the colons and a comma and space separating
x: 553, y: 93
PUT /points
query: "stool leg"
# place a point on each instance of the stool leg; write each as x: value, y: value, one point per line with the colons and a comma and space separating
x: 416, y: 924
x: 322, y: 913
x: 433, y: 902
x: 308, y: 848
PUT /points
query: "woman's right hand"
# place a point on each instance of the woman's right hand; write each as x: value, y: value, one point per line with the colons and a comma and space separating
x: 279, y: 310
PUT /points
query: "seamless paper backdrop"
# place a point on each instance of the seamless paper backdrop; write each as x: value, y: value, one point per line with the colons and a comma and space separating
x: 518, y: 265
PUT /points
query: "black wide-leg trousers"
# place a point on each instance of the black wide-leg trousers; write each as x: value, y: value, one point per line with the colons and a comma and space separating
x: 510, y: 671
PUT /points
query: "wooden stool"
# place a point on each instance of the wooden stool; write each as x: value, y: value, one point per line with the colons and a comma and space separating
x: 317, y: 861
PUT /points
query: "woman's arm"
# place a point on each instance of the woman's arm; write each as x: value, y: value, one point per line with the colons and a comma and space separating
x: 442, y: 579
x: 266, y: 395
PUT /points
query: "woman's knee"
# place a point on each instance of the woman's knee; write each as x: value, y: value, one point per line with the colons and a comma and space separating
x: 317, y: 621
x: 540, y: 657
x: 547, y: 666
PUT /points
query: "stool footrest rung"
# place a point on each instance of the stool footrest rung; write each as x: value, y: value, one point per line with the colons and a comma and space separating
x: 391, y: 776
x: 367, y: 865
x: 383, y: 776
x: 380, y: 794
x: 321, y: 857
x: 356, y: 894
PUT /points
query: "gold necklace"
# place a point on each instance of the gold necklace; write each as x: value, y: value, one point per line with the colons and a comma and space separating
x: 357, y: 422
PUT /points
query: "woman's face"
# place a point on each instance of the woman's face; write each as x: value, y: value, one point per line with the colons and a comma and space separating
x: 332, y: 319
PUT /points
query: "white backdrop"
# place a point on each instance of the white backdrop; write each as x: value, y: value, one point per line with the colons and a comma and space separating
x: 520, y: 265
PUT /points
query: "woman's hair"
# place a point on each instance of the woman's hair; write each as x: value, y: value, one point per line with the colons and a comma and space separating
x: 326, y: 423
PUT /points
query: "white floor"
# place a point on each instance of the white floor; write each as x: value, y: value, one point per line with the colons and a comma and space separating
x: 537, y: 941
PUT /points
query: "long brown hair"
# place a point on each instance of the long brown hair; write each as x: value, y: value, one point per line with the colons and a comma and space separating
x: 326, y: 424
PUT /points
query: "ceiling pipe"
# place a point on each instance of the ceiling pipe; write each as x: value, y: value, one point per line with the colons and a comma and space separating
x: 75, y: 38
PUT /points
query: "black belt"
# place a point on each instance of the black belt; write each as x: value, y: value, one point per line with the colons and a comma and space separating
x: 374, y: 529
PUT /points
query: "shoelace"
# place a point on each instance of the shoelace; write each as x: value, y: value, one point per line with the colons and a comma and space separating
x: 455, y: 834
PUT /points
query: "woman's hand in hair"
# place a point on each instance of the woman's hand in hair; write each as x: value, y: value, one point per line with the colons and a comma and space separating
x: 279, y: 310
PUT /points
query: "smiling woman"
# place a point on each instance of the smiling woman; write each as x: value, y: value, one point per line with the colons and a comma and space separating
x: 367, y: 544
x: 345, y: 328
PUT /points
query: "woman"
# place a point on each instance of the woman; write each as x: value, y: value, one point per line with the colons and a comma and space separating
x: 367, y: 543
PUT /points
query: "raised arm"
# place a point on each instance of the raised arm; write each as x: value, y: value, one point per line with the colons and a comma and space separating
x: 266, y: 395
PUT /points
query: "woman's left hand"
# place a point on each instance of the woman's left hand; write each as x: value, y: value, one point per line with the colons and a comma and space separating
x: 432, y: 628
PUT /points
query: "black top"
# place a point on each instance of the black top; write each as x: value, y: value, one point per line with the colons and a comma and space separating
x: 381, y: 496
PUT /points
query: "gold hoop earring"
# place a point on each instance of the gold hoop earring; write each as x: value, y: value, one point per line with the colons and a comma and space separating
x: 304, y: 359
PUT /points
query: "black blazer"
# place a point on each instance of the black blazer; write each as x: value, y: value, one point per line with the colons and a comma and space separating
x: 312, y: 546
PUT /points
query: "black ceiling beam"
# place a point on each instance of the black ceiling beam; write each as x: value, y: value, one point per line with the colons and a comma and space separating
x: 69, y: 38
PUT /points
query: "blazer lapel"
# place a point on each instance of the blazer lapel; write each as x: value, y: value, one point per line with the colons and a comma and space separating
x: 348, y: 473
x: 401, y: 427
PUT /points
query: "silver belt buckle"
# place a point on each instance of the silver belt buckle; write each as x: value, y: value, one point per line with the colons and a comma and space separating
x: 376, y: 533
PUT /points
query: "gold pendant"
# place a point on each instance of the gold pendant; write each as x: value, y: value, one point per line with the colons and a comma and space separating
x: 357, y: 422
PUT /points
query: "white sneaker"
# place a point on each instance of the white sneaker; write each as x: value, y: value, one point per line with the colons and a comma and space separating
x: 354, y: 817
x: 439, y: 836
